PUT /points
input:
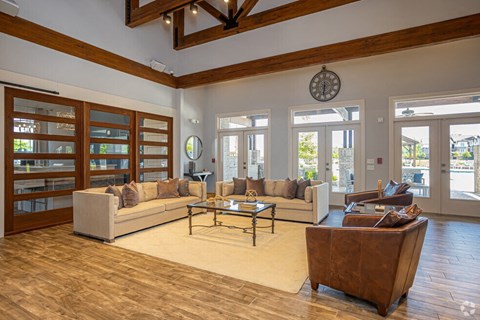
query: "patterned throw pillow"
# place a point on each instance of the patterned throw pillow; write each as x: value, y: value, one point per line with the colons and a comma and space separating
x: 301, y: 187
x: 393, y: 219
x: 239, y: 186
x: 168, y: 189
x: 117, y: 193
x: 130, y: 195
x: 390, y: 189
x: 290, y: 189
x: 257, y: 185
x: 183, y: 188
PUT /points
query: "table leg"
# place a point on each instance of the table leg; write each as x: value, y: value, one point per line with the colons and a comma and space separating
x: 273, y: 219
x: 254, y: 225
x: 190, y: 220
x: 214, y: 217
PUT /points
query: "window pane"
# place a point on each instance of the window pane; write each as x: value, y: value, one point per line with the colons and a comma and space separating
x: 308, y: 155
x: 230, y: 149
x: 339, y: 114
x: 247, y: 121
x: 42, y: 204
x: 154, y: 124
x: 438, y: 106
x: 99, y: 132
x: 465, y: 162
x: 109, y: 148
x: 153, y: 150
x: 343, y: 161
x: 27, y: 166
x: 43, y: 108
x: 153, y: 163
x: 256, y: 156
x: 109, y: 164
x: 42, y: 146
x: 109, y: 117
x: 39, y: 185
x: 43, y: 127
x: 105, y: 180
x: 153, y: 176
x: 156, y: 137
x: 416, y: 159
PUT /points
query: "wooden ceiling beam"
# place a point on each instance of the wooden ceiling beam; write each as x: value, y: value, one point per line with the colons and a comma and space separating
x: 245, y: 9
x: 435, y: 33
x: 214, y: 12
x: 154, y: 10
x: 32, y: 32
x: 288, y: 11
x: 232, y: 8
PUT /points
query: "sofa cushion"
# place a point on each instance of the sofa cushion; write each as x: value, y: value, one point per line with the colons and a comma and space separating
x: 278, y: 190
x: 195, y: 189
x: 175, y: 203
x: 141, y: 192
x: 309, y: 194
x: 227, y: 188
x: 270, y: 187
x: 168, y: 189
x: 141, y: 210
x: 239, y: 186
x: 302, y: 185
x: 295, y: 204
x: 257, y: 185
x: 150, y: 190
x: 130, y: 195
x: 290, y: 189
x: 117, y: 193
x: 183, y: 188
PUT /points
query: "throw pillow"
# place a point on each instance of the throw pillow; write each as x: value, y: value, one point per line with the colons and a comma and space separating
x: 167, y: 189
x: 150, y: 190
x: 309, y: 194
x: 403, y: 188
x: 130, y: 195
x: 301, y: 187
x: 388, y: 220
x: 278, y: 189
x: 141, y: 193
x: 270, y: 187
x: 257, y: 185
x: 183, y: 188
x: 290, y: 189
x: 117, y: 193
x: 393, y: 219
x: 227, y: 189
x: 239, y: 186
x: 390, y: 189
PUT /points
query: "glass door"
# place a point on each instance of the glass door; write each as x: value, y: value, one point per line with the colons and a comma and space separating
x: 242, y: 154
x: 416, y: 161
x: 342, y: 163
x: 309, y: 145
x: 460, y: 166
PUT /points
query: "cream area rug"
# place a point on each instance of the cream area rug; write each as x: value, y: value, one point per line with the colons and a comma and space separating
x: 278, y: 261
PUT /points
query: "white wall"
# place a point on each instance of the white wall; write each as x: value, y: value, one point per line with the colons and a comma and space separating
x: 79, y: 94
x: 445, y: 67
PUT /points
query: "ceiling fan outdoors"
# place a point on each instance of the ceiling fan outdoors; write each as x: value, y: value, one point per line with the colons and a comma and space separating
x: 411, y: 113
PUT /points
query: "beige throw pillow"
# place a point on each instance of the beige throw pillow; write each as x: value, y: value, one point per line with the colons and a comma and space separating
x: 150, y: 190
x: 168, y: 189
x: 278, y: 190
x: 141, y: 193
x: 269, y: 187
x: 309, y: 194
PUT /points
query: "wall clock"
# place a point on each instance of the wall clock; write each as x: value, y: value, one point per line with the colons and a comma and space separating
x: 325, y: 85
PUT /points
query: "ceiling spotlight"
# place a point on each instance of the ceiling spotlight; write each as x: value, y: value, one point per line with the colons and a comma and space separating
x: 226, y: 1
x: 167, y: 18
x: 193, y: 8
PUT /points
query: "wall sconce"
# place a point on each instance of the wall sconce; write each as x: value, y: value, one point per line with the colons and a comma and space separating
x: 195, y: 121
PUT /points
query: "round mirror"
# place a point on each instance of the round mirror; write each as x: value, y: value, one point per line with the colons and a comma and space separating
x: 193, y: 147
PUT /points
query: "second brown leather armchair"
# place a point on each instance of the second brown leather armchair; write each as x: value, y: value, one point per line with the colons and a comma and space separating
x: 375, y: 264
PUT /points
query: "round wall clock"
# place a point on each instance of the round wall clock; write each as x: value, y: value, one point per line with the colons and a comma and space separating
x: 325, y: 85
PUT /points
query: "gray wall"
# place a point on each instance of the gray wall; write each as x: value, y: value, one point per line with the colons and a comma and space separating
x: 446, y: 67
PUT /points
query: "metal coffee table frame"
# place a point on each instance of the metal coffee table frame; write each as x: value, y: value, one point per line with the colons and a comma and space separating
x: 233, y: 208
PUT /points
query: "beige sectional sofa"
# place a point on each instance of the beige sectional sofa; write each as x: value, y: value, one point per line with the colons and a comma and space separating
x: 313, y: 209
x: 95, y: 212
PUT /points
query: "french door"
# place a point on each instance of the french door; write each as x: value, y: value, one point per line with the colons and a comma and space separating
x: 329, y: 153
x: 242, y: 154
x: 441, y: 160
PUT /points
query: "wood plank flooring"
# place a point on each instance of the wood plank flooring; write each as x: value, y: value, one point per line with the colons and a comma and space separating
x: 51, y: 274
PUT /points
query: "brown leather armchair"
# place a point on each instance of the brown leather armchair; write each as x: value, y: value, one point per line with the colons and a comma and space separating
x: 374, y: 264
x: 403, y: 199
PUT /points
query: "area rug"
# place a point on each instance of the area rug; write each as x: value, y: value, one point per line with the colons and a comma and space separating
x: 278, y: 261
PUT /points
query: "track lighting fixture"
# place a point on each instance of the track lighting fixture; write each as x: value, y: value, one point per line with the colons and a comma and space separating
x: 226, y: 1
x: 167, y: 18
x: 193, y: 8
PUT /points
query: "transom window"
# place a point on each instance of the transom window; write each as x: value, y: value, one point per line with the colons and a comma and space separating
x: 438, y: 106
x: 325, y: 115
x: 243, y: 121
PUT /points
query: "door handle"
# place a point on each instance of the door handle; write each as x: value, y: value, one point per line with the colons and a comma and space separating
x: 444, y: 171
x: 327, y: 169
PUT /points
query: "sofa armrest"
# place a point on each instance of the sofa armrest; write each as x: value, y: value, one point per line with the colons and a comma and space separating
x: 320, y: 199
x: 219, y: 188
x: 93, y: 214
x: 360, y: 196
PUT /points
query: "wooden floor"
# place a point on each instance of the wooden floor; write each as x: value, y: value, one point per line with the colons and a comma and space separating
x: 51, y: 274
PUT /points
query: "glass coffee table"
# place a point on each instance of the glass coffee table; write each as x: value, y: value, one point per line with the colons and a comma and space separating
x: 233, y: 207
